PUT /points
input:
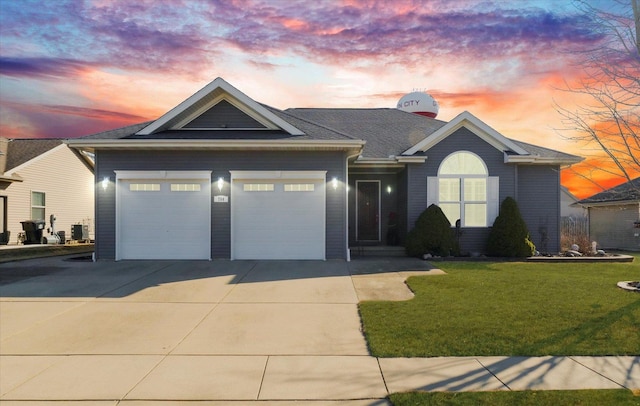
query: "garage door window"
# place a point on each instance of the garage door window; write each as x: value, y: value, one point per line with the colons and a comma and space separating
x: 185, y: 187
x: 258, y: 187
x: 144, y: 187
x: 299, y: 187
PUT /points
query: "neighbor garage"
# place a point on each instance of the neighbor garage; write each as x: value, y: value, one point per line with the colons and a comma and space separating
x: 163, y: 215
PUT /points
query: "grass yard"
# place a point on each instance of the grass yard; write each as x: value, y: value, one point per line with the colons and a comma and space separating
x: 533, y: 398
x: 510, y: 308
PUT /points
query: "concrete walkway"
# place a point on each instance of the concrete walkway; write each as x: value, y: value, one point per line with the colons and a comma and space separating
x: 143, y: 332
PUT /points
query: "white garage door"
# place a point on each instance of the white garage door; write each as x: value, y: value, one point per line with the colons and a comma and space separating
x: 278, y: 215
x: 163, y: 215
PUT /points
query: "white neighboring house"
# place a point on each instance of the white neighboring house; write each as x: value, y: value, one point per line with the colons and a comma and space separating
x: 40, y: 177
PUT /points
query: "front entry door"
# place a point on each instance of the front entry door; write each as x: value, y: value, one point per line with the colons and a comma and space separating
x: 368, y: 210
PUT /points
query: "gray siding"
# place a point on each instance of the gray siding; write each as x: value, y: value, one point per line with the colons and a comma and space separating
x: 220, y: 163
x: 539, y: 203
x: 224, y: 115
x: 612, y: 226
x: 472, y: 239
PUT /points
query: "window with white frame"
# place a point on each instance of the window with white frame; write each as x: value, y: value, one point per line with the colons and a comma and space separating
x: 38, y: 204
x: 464, y: 190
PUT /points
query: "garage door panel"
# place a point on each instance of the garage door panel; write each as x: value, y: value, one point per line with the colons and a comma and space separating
x: 164, y: 224
x: 279, y: 224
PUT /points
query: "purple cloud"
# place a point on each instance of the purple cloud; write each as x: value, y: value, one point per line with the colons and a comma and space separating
x: 41, y: 67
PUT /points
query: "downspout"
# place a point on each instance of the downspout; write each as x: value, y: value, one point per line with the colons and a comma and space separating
x: 346, y: 200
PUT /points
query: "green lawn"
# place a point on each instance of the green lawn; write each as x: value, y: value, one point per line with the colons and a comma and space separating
x: 533, y: 398
x: 510, y: 308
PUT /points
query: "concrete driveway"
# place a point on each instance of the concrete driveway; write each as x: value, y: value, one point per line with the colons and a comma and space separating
x: 195, y: 330
x: 282, y: 332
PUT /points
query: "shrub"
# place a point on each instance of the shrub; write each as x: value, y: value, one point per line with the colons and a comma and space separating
x: 432, y: 234
x: 509, y: 236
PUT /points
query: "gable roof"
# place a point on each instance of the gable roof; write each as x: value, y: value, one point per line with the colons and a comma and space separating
x: 220, y: 116
x: 209, y: 96
x: 21, y: 151
x: 628, y: 192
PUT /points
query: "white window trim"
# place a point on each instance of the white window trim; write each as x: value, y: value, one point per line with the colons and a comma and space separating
x: 32, y: 206
x: 492, y: 192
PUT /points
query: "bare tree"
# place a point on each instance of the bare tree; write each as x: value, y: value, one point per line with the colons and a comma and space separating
x: 606, y: 121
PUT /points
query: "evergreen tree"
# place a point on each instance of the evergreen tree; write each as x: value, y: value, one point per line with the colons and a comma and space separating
x: 509, y: 236
x: 432, y: 234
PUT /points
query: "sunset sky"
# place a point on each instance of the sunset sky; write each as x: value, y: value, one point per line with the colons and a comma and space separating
x: 70, y: 68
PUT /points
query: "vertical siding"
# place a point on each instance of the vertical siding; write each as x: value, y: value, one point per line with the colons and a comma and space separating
x: 220, y: 163
x: 472, y: 239
x: 539, y: 203
x: 612, y: 226
x: 68, y: 186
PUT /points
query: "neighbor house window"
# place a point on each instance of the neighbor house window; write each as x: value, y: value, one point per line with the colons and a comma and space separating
x: 37, y: 205
x: 464, y: 190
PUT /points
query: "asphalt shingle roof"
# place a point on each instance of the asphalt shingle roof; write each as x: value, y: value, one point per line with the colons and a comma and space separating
x: 629, y: 191
x: 387, y: 131
x: 20, y: 151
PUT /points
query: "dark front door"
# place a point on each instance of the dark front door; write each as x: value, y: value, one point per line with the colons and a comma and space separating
x: 368, y: 207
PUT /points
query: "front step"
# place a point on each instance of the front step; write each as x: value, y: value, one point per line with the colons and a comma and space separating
x: 378, y: 251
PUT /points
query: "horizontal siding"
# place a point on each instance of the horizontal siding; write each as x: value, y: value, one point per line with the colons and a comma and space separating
x: 221, y: 163
x: 224, y: 115
x: 68, y: 185
x: 612, y: 226
x: 539, y: 203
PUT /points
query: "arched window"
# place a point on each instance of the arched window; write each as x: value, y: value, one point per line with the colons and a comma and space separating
x: 464, y: 190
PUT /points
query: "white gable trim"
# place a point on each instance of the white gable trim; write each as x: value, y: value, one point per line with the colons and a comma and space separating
x: 475, y: 125
x: 34, y: 159
x: 219, y: 83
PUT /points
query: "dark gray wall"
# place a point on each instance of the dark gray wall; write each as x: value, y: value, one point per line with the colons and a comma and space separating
x: 220, y: 163
x: 539, y: 203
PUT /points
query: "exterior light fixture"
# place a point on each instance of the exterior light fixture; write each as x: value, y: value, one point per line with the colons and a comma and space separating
x: 220, y: 183
x: 105, y: 183
x: 388, y: 190
x: 334, y: 183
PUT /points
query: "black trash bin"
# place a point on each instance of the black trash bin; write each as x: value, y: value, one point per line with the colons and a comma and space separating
x: 33, y: 231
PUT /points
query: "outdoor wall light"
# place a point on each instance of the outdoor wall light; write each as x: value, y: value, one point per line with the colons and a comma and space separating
x: 105, y: 183
x: 388, y: 190
x: 220, y: 183
x: 334, y: 183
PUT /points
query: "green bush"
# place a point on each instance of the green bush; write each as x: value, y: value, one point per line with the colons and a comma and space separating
x: 509, y: 236
x: 432, y: 234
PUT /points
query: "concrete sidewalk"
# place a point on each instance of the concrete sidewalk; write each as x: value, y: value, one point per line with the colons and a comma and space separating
x: 144, y: 332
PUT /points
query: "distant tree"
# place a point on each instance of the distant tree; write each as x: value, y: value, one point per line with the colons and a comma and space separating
x: 607, y: 122
x: 509, y: 236
x: 432, y: 234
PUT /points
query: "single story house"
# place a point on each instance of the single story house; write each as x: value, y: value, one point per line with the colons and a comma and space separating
x: 41, y: 177
x: 223, y: 176
x: 614, y: 216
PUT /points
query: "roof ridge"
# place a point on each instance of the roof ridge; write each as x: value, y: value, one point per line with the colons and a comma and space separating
x: 285, y: 112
